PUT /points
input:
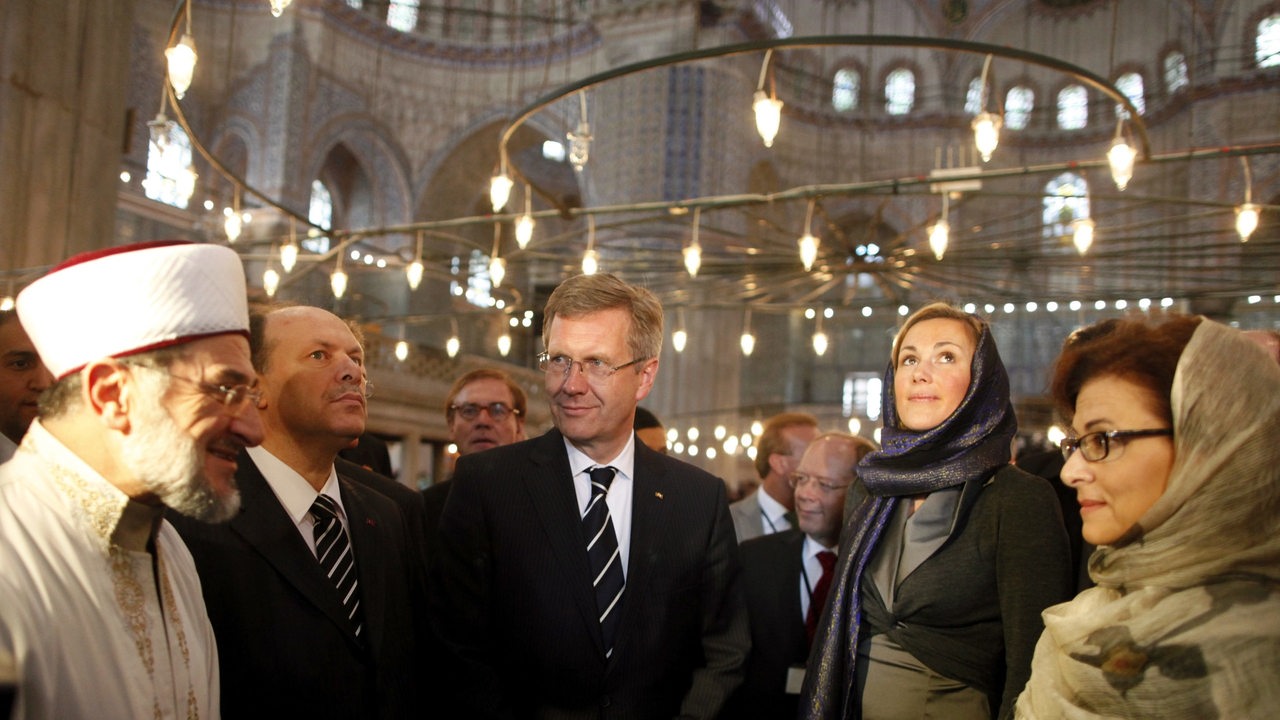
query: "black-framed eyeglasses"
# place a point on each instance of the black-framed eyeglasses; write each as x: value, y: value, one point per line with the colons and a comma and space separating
x: 593, y: 368
x: 497, y: 410
x: 236, y: 398
x: 798, y: 480
x: 1096, y: 446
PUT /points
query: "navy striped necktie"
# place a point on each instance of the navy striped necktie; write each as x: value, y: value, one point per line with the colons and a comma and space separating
x: 604, y: 556
x: 333, y: 550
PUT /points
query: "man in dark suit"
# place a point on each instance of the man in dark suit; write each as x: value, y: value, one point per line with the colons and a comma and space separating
x: 485, y: 409
x: 296, y: 637
x: 784, y: 578
x: 581, y: 574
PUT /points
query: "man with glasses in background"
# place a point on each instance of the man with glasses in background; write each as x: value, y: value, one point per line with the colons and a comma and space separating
x: 485, y: 409
x: 582, y: 574
x: 153, y: 400
x: 787, y: 576
x: 315, y: 590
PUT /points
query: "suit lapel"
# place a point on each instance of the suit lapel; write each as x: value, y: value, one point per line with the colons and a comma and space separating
x: 265, y: 526
x: 650, y: 496
x: 550, y: 489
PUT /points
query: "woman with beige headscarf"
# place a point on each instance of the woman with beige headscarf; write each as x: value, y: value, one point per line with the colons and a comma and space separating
x: 1175, y: 459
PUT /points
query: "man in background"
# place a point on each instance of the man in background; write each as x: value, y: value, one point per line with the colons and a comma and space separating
x: 485, y: 409
x: 22, y: 378
x: 770, y: 508
x: 787, y: 576
x: 100, y: 604
x: 650, y: 431
x: 316, y: 588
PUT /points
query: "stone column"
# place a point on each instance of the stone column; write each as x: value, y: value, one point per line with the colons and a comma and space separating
x: 63, y: 67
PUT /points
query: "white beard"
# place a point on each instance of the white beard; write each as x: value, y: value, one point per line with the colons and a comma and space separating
x: 167, y: 461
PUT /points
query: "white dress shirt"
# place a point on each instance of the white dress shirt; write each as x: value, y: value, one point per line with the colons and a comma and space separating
x: 773, y: 513
x: 296, y: 494
x: 620, y: 491
x: 812, y: 572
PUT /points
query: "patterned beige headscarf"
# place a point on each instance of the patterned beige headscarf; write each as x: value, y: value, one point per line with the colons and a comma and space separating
x: 1185, y: 619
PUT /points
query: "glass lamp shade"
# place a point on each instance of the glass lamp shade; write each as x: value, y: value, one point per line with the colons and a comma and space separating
x: 338, y: 282
x: 986, y: 133
x: 289, y: 256
x: 524, y: 230
x: 452, y: 346
x: 1121, y: 158
x: 693, y: 259
x: 1246, y: 220
x: 182, y: 64
x: 808, y: 250
x: 768, y: 116
x: 939, y: 235
x: 499, y: 191
x: 1083, y: 235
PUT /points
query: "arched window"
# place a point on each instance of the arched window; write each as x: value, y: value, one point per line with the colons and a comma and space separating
x: 1175, y: 72
x: 1073, y: 107
x: 1131, y: 85
x: 900, y: 92
x: 1267, y: 50
x: 1017, y: 107
x: 1066, y: 199
x: 973, y: 98
x: 170, y: 176
x: 844, y: 90
x: 320, y: 213
x: 402, y: 14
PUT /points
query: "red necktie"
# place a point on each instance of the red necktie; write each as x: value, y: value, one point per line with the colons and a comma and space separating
x: 818, y: 597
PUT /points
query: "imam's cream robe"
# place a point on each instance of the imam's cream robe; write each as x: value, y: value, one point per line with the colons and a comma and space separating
x: 98, y: 626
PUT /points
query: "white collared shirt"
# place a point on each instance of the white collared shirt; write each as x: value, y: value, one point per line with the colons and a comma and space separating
x: 296, y: 494
x: 620, y: 491
x: 812, y: 572
x: 774, y: 513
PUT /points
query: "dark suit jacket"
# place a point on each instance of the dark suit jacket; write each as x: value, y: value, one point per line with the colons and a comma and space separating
x: 285, y: 647
x: 515, y: 603
x: 433, y: 500
x: 771, y: 567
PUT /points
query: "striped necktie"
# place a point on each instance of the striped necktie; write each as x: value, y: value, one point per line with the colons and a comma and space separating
x: 604, y: 556
x: 333, y: 550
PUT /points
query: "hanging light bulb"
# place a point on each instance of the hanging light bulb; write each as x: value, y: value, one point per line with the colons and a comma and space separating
x: 402, y: 350
x: 855, y: 426
x: 7, y: 302
x: 986, y: 133
x: 270, y: 281
x: 693, y: 251
x: 497, y: 270
x: 590, y: 263
x: 820, y: 343
x: 580, y: 138
x: 338, y: 280
x: 1083, y: 235
x: 1247, y: 214
x: 500, y: 190
x: 808, y: 250
x: 524, y: 224
x: 452, y: 345
x: 807, y: 242
x: 289, y: 255
x: 1246, y: 220
x: 182, y: 62
x: 504, y: 344
x: 678, y: 339
x: 747, y: 341
x: 1121, y: 157
x: 277, y: 9
x: 940, y: 232
x: 768, y: 116
x: 232, y: 223
x: 413, y: 271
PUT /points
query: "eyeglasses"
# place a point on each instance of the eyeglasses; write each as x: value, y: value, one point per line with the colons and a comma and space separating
x: 798, y: 480
x: 1096, y: 446
x: 497, y: 410
x: 594, y: 368
x: 235, y: 397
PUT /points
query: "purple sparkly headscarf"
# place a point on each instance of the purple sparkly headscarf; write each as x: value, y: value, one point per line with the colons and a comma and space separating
x: 970, y: 445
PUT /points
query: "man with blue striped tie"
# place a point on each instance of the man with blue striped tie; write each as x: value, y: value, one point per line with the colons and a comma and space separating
x: 582, y: 574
